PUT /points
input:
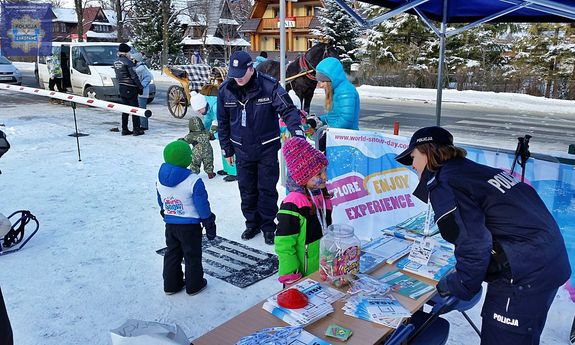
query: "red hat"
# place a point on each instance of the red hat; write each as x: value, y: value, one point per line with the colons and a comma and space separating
x: 292, y: 299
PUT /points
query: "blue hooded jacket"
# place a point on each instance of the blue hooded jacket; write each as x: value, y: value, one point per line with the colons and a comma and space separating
x: 345, y: 109
x: 186, y: 194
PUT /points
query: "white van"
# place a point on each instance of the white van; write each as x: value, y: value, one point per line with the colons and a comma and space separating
x: 87, y: 68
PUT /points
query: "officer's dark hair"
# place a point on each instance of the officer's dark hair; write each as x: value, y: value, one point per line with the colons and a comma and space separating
x: 438, y: 153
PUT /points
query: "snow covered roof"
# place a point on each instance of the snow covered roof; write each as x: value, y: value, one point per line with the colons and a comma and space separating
x: 214, y: 41
x: 112, y: 17
x: 228, y: 21
x: 93, y: 34
x: 65, y: 15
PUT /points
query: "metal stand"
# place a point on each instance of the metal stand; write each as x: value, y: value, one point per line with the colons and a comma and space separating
x: 76, y: 133
x: 522, y: 154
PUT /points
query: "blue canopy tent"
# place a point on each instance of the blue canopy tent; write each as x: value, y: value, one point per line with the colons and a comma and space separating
x: 470, y: 12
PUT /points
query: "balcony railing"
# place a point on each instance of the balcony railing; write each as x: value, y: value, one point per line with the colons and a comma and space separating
x: 271, y: 24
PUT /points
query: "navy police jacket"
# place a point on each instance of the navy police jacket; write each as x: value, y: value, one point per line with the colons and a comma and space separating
x: 258, y: 132
x: 485, y: 211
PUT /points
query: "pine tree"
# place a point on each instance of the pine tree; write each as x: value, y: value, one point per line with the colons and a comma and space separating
x: 147, y: 28
x: 338, y: 28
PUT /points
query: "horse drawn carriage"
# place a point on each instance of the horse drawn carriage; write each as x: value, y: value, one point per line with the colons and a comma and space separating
x: 199, y: 78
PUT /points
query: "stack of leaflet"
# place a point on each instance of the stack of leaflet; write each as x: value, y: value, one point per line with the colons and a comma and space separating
x: 441, y: 262
x: 385, y: 249
x: 320, y: 299
x: 416, y: 224
x: 406, y: 285
x: 382, y: 309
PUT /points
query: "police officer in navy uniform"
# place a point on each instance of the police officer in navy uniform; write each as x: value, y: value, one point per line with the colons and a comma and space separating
x: 503, y: 234
x: 129, y: 86
x: 248, y: 106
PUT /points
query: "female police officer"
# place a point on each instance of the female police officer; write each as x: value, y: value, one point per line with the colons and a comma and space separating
x: 503, y: 234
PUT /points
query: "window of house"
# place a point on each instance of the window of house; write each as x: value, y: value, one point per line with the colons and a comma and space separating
x: 276, y: 12
x: 59, y: 27
x: 276, y: 43
x: 309, y: 11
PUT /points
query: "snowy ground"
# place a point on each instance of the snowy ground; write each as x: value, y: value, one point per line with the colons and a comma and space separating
x: 92, y: 264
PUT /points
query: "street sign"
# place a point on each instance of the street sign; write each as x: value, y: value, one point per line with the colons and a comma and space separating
x: 289, y: 23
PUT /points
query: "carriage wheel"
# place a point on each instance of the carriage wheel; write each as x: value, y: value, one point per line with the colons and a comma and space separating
x: 177, y: 102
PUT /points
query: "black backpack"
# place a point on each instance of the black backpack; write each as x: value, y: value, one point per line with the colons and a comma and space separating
x: 4, y: 144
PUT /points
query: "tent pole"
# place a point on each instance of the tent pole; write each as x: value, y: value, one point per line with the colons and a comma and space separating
x: 442, y: 38
x: 282, y: 20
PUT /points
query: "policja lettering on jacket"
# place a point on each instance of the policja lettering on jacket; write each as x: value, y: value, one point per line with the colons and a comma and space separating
x: 503, y: 180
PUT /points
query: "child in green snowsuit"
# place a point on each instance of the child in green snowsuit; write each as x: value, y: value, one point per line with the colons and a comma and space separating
x: 202, y: 152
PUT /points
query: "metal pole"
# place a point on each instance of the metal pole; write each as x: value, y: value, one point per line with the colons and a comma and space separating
x: 441, y: 63
x: 282, y: 21
x: 77, y: 134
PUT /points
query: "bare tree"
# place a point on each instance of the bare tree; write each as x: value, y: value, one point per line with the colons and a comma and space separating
x: 79, y: 6
x: 57, y: 3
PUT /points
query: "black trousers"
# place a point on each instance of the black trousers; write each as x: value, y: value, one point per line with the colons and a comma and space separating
x: 514, y: 316
x: 6, y: 337
x: 129, y: 96
x: 58, y: 82
x: 257, y: 181
x: 184, y: 241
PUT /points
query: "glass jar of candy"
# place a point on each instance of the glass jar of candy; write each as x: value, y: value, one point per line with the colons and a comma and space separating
x: 339, y: 254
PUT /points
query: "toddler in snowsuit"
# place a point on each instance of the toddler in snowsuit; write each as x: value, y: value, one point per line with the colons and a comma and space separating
x: 185, y: 208
x: 304, y: 213
x: 202, y: 151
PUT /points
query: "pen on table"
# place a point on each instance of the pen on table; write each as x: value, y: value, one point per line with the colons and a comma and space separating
x: 399, y: 235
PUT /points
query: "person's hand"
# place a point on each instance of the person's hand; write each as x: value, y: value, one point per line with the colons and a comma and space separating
x: 443, y: 288
x: 313, y: 121
x: 210, y: 226
x: 230, y: 160
x: 194, y: 143
x: 140, y: 91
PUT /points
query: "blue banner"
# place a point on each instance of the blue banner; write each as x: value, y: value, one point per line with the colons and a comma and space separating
x: 26, y: 29
x: 371, y: 191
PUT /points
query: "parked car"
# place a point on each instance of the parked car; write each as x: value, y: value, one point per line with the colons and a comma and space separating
x: 87, y: 68
x: 9, y: 73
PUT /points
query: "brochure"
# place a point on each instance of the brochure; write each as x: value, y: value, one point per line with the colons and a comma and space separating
x: 406, y: 285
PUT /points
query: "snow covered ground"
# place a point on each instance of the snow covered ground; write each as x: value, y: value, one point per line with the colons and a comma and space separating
x: 92, y: 265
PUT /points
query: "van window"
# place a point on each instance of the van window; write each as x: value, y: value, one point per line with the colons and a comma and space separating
x: 101, y: 55
x: 79, y: 62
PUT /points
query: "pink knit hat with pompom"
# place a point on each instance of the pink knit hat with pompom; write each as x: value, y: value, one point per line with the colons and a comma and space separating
x: 302, y: 160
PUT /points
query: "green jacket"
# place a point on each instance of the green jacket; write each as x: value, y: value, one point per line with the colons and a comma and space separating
x: 298, y: 234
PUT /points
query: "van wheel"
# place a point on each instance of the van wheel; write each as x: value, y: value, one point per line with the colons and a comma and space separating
x: 90, y: 92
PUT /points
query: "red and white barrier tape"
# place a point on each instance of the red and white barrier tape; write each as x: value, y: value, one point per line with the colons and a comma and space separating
x: 79, y: 99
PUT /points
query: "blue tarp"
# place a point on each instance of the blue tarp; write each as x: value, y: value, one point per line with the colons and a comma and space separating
x: 467, y: 11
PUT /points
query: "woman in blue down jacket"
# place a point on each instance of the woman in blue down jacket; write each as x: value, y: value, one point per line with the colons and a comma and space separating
x: 341, y: 97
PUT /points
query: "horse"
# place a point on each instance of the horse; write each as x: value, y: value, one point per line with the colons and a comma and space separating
x: 300, y: 73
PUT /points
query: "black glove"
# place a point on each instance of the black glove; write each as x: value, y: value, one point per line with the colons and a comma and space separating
x: 311, y: 122
x: 194, y: 143
x: 442, y: 288
x: 210, y: 225
x: 140, y: 91
x: 162, y: 213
